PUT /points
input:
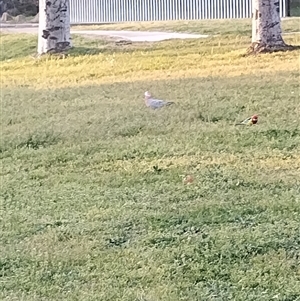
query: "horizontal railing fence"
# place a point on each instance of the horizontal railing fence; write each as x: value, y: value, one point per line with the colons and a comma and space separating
x: 110, y: 11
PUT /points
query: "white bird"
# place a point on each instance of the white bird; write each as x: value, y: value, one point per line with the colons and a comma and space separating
x: 155, y: 103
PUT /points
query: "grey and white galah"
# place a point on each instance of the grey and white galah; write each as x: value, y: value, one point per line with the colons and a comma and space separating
x: 155, y: 103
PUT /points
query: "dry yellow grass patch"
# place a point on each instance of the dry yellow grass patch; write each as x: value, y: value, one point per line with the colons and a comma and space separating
x: 121, y: 67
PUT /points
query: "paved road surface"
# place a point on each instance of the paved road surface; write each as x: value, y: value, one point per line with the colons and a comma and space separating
x: 134, y: 36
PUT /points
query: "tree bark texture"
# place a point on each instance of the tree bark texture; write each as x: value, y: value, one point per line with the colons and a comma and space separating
x: 266, y: 27
x: 54, y: 26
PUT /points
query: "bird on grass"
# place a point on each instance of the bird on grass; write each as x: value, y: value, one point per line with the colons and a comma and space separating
x: 188, y: 180
x: 155, y: 103
x: 249, y: 121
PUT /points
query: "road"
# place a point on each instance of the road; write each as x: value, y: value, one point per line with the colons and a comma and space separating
x: 133, y: 36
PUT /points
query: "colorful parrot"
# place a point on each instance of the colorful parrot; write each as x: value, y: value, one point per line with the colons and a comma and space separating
x: 155, y: 103
x: 249, y: 121
x: 188, y: 180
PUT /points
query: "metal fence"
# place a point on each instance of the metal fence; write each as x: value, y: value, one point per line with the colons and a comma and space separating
x: 110, y: 11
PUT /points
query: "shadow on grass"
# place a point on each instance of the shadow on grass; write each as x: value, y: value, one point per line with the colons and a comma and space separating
x: 81, y: 50
x: 16, y: 46
x: 262, y: 49
x: 89, y: 51
x: 93, y: 45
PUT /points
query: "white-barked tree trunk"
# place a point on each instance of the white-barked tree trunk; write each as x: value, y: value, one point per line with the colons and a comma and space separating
x: 266, y: 26
x: 54, y: 26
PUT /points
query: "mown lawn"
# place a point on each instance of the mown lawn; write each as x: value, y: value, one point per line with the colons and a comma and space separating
x: 93, y: 206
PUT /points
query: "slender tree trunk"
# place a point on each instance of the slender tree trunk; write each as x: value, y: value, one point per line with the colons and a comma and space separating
x: 266, y: 27
x: 54, y: 26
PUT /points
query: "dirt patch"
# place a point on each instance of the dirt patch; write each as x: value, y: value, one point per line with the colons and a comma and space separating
x: 19, y: 19
x: 109, y: 39
x: 35, y: 19
x: 6, y: 17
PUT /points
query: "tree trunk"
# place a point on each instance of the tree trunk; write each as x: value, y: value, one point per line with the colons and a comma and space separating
x: 54, y: 26
x: 266, y: 27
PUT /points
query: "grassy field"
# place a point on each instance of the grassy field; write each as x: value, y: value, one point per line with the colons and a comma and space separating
x: 93, y: 206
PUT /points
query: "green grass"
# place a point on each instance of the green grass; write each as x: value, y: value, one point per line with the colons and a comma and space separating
x: 93, y: 206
